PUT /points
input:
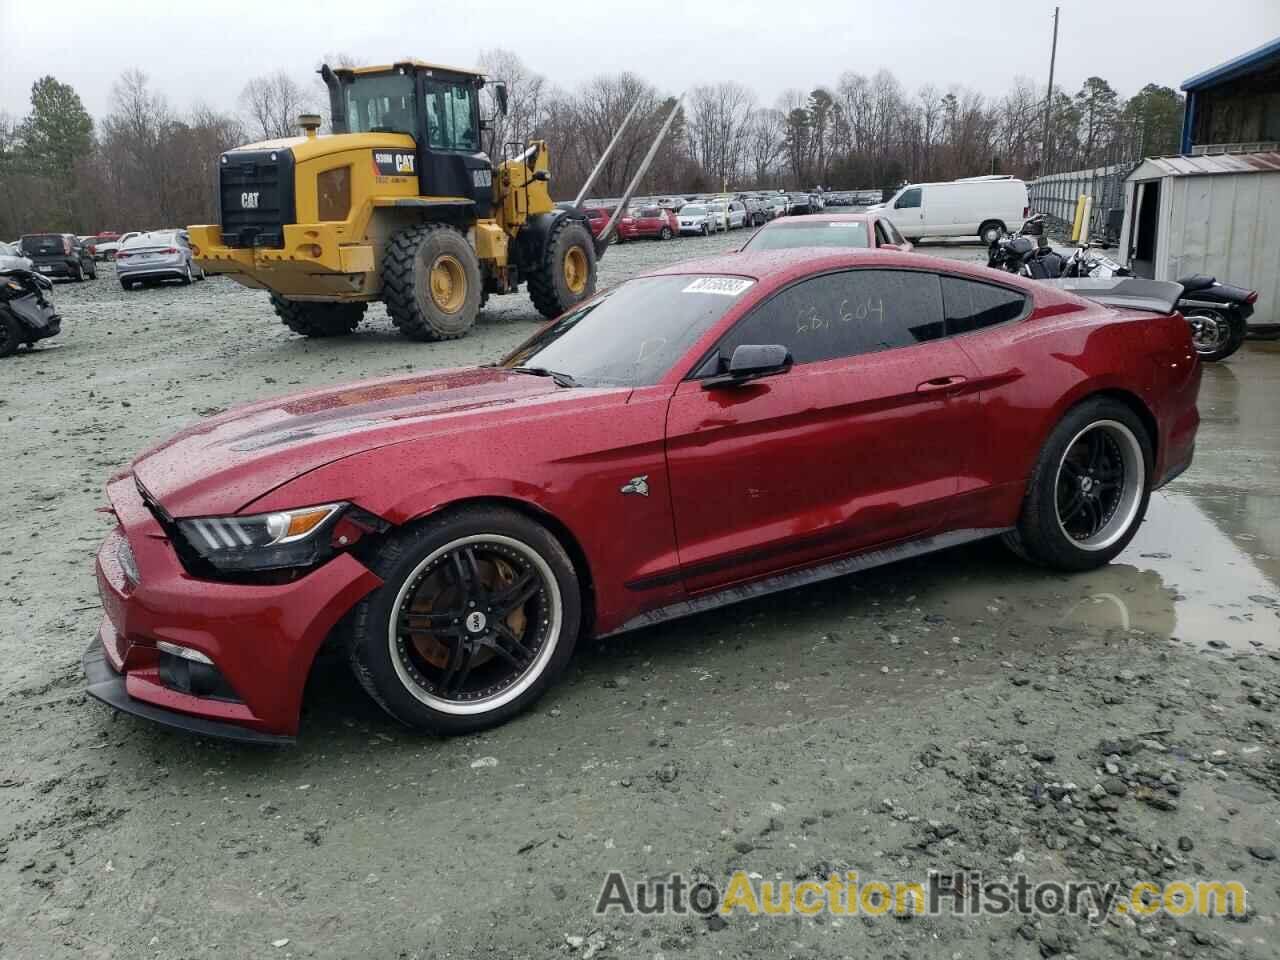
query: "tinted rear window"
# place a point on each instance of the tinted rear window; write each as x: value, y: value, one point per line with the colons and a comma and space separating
x: 43, y: 243
x: 971, y: 305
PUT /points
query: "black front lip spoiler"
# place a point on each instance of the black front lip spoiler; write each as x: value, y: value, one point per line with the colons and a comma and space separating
x: 106, y: 685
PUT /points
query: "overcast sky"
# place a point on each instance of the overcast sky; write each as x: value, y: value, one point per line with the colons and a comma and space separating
x: 206, y: 51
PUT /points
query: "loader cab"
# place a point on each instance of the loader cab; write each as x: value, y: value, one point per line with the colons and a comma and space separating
x: 440, y: 108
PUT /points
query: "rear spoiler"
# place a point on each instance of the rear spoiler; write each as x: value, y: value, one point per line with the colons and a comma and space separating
x: 1127, y: 293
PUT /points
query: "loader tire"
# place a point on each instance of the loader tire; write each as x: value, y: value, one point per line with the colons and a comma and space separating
x: 431, y: 282
x: 566, y: 273
x: 318, y: 319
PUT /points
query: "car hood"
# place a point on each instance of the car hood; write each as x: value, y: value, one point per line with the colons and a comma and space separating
x: 221, y: 464
x: 14, y: 263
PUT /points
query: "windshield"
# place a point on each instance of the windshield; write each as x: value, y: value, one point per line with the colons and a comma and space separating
x: 381, y: 101
x: 631, y: 335
x: 835, y: 234
x: 692, y: 211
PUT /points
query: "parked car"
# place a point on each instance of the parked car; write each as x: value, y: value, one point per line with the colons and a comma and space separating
x: 667, y: 405
x: 798, y: 204
x: 777, y: 206
x: 863, y: 230
x: 985, y: 207
x: 11, y: 258
x: 738, y: 217
x: 697, y: 218
x: 757, y: 212
x: 153, y: 257
x: 597, y: 217
x: 718, y: 214
x: 108, y: 249
x: 59, y: 255
x: 90, y: 244
x: 654, y: 223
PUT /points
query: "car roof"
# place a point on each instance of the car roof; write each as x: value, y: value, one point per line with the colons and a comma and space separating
x: 778, y: 267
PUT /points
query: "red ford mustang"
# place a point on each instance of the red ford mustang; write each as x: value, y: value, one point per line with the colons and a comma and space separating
x: 716, y: 430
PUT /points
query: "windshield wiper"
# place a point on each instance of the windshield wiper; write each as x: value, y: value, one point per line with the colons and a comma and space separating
x: 561, y: 379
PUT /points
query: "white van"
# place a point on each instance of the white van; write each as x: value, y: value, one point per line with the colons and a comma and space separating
x: 980, y: 207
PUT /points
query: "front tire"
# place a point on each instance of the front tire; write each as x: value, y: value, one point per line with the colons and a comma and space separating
x: 1089, y: 490
x: 431, y: 282
x: 318, y: 319
x: 565, y: 274
x: 477, y: 616
x: 665, y: 234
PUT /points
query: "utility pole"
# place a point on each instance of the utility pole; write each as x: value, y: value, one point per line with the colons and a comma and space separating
x: 1048, y: 100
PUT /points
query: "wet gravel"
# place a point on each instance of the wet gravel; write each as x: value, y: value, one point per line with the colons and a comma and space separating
x: 960, y: 712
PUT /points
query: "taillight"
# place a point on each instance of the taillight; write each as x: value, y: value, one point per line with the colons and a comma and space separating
x: 171, y: 250
x: 66, y: 245
x: 1252, y: 297
x: 1026, y: 211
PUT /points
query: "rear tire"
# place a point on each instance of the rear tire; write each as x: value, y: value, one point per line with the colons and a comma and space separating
x: 665, y: 234
x: 565, y: 274
x: 318, y: 319
x: 990, y: 232
x: 126, y: 284
x: 1089, y: 490
x: 406, y: 647
x: 1215, y: 334
x: 431, y: 282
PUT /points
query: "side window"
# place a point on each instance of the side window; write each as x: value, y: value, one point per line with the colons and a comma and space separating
x: 882, y: 236
x: 844, y: 315
x: 894, y: 235
x: 971, y: 305
x: 909, y: 199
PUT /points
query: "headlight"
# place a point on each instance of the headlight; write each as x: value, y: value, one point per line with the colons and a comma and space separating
x: 267, y: 541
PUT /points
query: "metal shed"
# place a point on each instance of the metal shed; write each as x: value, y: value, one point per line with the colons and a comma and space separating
x: 1217, y: 214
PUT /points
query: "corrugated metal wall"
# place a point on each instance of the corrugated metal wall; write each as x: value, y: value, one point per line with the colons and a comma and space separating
x: 1227, y: 225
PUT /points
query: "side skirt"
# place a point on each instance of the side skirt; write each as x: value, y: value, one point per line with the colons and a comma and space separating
x: 807, y: 575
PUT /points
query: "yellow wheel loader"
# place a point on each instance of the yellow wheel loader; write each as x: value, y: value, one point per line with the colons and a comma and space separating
x: 399, y: 204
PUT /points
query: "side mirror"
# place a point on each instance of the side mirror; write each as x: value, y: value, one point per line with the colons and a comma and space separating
x: 751, y: 361
x: 500, y: 96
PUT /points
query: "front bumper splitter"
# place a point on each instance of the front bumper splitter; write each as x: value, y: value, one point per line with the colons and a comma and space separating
x: 108, y: 686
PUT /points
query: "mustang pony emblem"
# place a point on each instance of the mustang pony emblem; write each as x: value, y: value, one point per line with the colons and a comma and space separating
x: 638, y: 485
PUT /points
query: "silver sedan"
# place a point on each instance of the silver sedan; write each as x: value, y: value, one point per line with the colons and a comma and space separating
x: 152, y: 257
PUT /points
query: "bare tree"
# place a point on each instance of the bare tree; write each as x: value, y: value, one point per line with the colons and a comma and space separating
x: 719, y: 129
x: 526, y: 99
x: 767, y: 144
x: 273, y: 103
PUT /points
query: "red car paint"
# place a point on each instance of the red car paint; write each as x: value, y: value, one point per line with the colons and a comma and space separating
x: 597, y: 218
x: 829, y: 459
x: 649, y: 223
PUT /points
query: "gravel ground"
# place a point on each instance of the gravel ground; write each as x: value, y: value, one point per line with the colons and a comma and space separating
x: 960, y: 712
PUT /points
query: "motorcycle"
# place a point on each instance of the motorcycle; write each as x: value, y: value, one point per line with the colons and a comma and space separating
x: 1026, y: 253
x: 1217, y: 312
x: 26, y: 312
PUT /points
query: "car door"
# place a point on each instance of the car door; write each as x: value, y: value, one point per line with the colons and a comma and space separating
x: 859, y: 444
x: 908, y: 213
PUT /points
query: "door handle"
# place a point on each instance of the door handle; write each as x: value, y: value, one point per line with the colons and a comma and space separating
x: 940, y: 383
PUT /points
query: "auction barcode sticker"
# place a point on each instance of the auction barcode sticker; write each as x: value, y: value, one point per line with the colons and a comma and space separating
x: 725, y: 286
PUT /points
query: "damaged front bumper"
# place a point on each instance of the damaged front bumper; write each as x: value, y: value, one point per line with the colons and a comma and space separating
x: 219, y: 659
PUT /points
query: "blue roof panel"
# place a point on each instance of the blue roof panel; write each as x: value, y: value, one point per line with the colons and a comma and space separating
x: 1245, y: 63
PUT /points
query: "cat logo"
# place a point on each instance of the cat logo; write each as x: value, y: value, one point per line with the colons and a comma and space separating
x: 394, y: 163
x: 249, y: 201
